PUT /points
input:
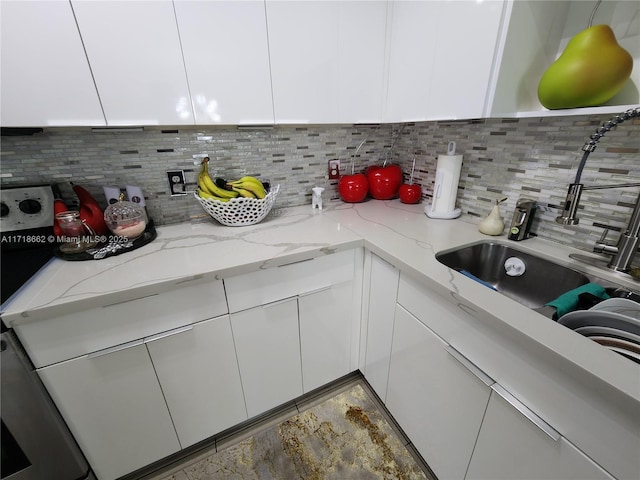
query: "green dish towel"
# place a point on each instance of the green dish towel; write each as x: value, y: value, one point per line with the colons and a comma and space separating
x: 568, y: 302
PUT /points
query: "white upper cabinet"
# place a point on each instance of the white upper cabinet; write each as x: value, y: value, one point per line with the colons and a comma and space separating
x: 134, y: 52
x: 267, y: 62
x: 535, y: 35
x: 46, y: 80
x: 226, y: 55
x: 327, y: 60
x: 440, y: 59
x: 361, y: 60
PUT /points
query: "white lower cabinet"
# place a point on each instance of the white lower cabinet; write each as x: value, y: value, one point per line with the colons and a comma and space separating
x: 143, y: 378
x: 465, y: 425
x: 133, y: 404
x: 434, y: 396
x: 199, y: 375
x: 267, y: 343
x: 293, y: 326
x: 381, y: 300
x: 114, y: 406
x: 325, y: 334
x: 293, y: 346
x: 511, y: 447
x: 438, y: 402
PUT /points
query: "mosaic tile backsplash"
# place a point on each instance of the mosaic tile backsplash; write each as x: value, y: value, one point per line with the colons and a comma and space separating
x: 530, y: 157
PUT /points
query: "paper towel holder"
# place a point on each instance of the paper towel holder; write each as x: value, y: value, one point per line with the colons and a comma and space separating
x: 446, y: 215
x: 451, y: 182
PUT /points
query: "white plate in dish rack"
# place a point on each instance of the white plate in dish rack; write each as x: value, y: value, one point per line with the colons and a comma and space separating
x: 611, y: 342
x: 600, y: 318
x: 608, y: 332
x: 623, y: 306
x: 626, y: 353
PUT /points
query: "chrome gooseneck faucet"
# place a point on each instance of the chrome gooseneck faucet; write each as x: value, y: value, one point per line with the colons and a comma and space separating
x: 623, y: 252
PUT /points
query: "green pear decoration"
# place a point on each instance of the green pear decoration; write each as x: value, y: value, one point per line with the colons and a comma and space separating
x: 590, y: 71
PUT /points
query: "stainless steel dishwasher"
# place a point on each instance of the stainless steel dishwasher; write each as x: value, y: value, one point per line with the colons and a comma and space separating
x: 36, y: 443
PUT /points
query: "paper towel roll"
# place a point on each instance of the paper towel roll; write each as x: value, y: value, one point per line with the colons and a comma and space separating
x: 445, y: 190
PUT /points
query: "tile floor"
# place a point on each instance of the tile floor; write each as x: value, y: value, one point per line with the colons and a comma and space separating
x: 174, y: 469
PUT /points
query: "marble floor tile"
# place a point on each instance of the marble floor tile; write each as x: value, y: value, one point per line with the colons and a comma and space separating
x: 343, y: 433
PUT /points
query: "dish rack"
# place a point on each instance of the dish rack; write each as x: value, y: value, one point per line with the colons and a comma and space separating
x: 240, y: 211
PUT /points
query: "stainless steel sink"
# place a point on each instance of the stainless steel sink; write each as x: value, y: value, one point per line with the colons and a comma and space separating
x: 535, y: 282
x: 541, y: 281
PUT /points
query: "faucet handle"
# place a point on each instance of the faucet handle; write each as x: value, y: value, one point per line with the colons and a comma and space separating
x: 601, y: 246
x: 603, y: 237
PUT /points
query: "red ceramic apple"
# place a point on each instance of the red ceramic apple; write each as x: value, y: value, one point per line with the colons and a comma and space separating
x: 353, y: 188
x: 410, y: 193
x: 384, y: 181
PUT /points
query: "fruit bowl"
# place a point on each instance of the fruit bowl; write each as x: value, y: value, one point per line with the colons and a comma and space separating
x: 240, y: 211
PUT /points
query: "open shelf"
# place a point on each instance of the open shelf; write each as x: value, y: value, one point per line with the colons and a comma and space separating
x: 534, y: 35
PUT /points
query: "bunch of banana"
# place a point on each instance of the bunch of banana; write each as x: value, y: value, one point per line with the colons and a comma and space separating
x: 249, y: 187
x: 207, y: 188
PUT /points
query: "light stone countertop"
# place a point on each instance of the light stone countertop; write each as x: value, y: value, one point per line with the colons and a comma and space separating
x: 400, y: 234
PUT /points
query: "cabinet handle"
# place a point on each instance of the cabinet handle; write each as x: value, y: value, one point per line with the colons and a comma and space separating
x: 298, y: 261
x: 317, y: 290
x: 526, y: 411
x: 131, y: 300
x: 278, y: 302
x: 115, y: 349
x: 469, y: 365
x: 168, y: 333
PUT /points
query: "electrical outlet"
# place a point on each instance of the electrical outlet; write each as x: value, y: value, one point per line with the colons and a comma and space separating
x: 177, y: 183
x: 334, y: 169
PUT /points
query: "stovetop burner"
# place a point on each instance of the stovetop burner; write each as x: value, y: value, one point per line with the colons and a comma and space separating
x: 26, y: 234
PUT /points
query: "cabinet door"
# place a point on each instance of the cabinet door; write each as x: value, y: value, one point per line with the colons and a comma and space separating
x: 327, y: 60
x: 326, y: 317
x: 441, y: 55
x: 267, y: 343
x: 438, y: 402
x: 512, y: 447
x: 134, y: 52
x: 55, y: 339
x: 198, y: 371
x: 383, y: 289
x: 226, y: 56
x: 361, y: 60
x: 289, y: 280
x: 114, y: 407
x: 46, y: 79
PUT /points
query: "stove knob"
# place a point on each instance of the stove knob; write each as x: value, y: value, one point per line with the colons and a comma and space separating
x: 4, y: 210
x: 30, y: 206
